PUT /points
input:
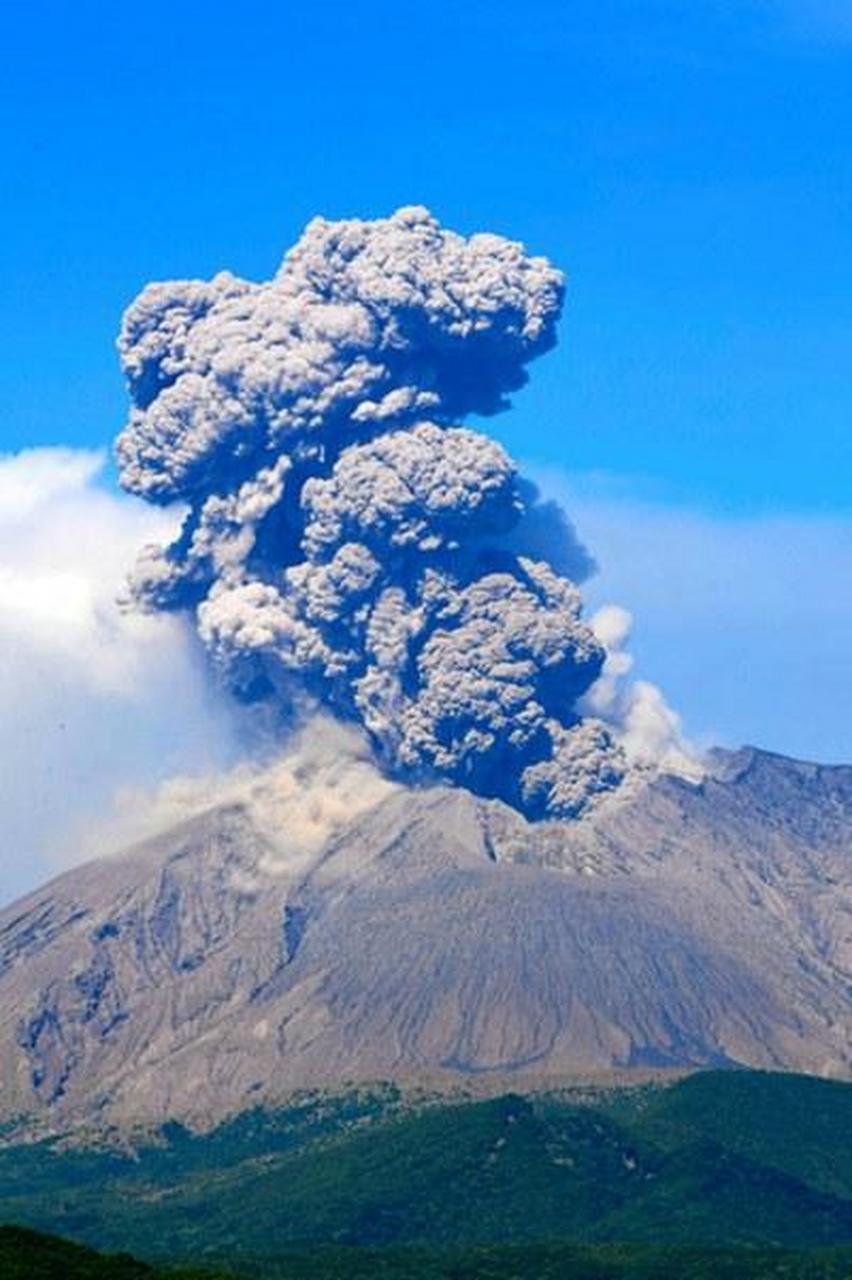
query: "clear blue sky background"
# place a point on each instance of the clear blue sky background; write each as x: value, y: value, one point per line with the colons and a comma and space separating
x: 688, y: 163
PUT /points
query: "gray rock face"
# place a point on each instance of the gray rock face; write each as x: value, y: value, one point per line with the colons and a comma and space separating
x: 439, y: 939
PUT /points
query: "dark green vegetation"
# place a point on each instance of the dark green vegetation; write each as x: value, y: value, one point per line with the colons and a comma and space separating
x: 29, y: 1255
x: 563, y: 1262
x: 716, y: 1175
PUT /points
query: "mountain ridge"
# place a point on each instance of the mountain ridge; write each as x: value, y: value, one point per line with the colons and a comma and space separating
x: 439, y: 938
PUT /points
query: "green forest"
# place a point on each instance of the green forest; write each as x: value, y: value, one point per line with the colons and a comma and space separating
x: 736, y: 1174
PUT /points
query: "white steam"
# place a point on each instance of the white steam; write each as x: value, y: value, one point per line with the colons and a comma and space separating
x: 647, y: 729
x: 298, y: 801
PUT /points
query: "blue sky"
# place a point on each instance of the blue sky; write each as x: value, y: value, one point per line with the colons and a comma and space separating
x: 688, y: 164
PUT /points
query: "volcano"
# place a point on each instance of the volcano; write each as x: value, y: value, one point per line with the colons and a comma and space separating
x: 439, y: 940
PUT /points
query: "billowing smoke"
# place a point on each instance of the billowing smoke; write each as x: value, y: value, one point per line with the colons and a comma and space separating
x: 348, y: 544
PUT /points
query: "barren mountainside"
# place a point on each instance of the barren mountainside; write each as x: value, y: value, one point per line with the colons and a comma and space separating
x: 439, y: 938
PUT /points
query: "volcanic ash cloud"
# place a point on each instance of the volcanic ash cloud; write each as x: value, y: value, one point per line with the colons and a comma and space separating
x: 348, y: 544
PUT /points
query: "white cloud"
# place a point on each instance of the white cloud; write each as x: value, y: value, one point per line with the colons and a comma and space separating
x: 32, y: 478
x: 91, y: 698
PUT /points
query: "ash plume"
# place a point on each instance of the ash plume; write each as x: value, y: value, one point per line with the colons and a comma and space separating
x: 348, y: 544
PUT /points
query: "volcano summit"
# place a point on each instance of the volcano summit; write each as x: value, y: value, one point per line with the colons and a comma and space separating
x: 494, y: 883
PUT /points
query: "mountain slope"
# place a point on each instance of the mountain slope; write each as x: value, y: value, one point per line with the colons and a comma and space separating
x: 443, y: 940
